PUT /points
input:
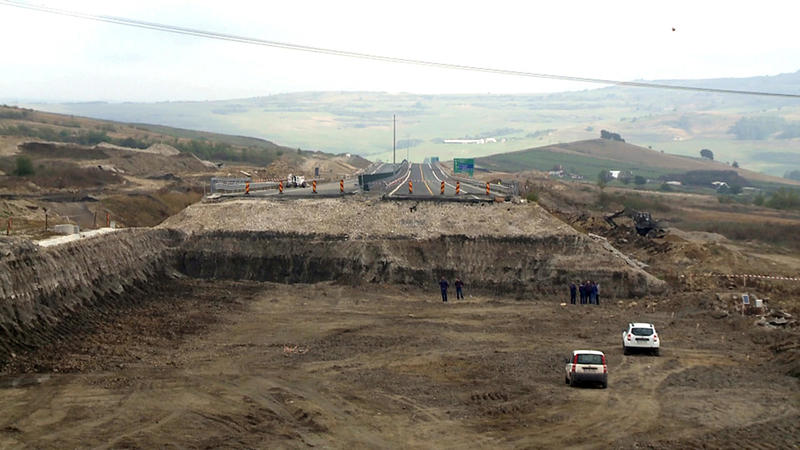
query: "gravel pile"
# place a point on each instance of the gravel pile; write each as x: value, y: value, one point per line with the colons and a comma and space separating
x: 358, y: 217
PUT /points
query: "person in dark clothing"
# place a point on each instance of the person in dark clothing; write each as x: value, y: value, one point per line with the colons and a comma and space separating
x: 459, y: 288
x: 572, y: 290
x: 582, y: 288
x: 444, y: 284
x: 592, y: 293
x: 597, y: 293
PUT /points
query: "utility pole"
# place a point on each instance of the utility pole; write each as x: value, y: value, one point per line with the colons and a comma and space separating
x: 394, y: 139
x: 408, y: 147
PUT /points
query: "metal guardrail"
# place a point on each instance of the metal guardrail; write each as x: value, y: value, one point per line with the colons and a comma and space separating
x: 239, y: 185
x: 394, y: 176
x: 506, y: 189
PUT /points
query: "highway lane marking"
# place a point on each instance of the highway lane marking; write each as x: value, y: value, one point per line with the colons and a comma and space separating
x: 448, y: 184
x: 422, y: 176
x: 402, y: 182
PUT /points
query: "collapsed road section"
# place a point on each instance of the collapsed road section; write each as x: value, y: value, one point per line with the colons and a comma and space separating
x: 501, y: 249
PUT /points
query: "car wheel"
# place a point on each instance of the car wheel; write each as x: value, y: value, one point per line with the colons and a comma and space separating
x: 657, y: 352
x: 625, y: 350
x: 605, y: 384
x: 566, y: 380
x: 572, y: 382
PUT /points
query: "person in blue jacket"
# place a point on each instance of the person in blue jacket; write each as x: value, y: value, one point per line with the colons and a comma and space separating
x: 459, y: 289
x: 444, y: 284
x: 592, y: 293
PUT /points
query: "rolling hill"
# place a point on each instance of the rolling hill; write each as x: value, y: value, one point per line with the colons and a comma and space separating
x: 21, y: 124
x: 760, y: 133
x: 589, y: 157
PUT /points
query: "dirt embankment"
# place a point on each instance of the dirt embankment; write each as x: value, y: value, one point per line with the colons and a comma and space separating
x: 135, y: 162
x: 500, y: 247
x: 39, y: 287
x: 517, y: 265
x: 524, y: 252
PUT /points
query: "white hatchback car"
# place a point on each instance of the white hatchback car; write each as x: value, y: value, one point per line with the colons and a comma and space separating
x: 586, y: 366
x: 640, y: 336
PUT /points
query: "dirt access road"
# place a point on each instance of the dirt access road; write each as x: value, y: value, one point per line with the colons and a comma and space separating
x: 208, y: 364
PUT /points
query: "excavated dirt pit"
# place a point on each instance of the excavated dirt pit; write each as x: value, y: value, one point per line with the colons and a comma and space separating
x: 232, y: 364
x: 229, y: 329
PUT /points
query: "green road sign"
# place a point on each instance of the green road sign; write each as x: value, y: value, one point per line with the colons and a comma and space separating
x: 464, y: 165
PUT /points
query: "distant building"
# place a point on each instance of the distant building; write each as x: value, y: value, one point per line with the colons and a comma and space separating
x: 465, y: 141
x: 471, y: 141
x: 674, y: 183
x: 614, y: 173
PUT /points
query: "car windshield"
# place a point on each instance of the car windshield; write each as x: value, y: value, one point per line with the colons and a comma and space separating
x: 642, y: 331
x: 584, y: 358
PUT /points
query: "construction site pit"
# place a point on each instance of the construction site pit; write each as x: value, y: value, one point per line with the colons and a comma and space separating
x: 319, y: 323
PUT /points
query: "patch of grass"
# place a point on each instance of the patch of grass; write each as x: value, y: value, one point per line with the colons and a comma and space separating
x: 545, y: 160
x: 779, y: 234
x: 24, y: 167
x: 643, y: 202
x: 147, y: 210
x: 64, y: 176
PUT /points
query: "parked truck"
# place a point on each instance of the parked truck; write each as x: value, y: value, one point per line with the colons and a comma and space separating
x: 295, y: 181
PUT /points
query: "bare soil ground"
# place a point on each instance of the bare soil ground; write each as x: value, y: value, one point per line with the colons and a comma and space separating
x: 260, y: 365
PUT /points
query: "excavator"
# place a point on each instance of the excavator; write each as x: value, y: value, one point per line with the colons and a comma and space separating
x: 642, y: 220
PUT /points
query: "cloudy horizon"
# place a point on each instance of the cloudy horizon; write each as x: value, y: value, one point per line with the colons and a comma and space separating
x: 64, y: 59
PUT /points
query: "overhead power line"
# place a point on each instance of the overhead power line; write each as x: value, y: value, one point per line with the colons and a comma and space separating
x: 391, y: 59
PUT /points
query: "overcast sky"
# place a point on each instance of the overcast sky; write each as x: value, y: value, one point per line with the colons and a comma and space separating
x: 56, y: 58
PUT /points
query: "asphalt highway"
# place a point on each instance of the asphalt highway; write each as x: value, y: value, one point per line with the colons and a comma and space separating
x: 426, y: 181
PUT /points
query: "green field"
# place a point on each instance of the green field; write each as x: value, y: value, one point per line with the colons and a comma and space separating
x: 587, y: 166
x: 361, y: 122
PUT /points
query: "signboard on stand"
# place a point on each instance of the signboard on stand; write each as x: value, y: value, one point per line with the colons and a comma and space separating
x: 464, y: 165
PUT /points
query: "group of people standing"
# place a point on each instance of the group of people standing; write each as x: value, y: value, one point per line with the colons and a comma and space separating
x: 443, y: 284
x: 589, y: 292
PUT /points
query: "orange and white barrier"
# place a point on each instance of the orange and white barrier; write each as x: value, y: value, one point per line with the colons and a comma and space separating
x: 247, y: 188
x: 760, y: 277
x: 487, y: 188
x: 314, y: 186
x: 410, y: 187
x: 341, y: 186
x: 442, y: 188
x: 458, y: 187
x: 280, y: 187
